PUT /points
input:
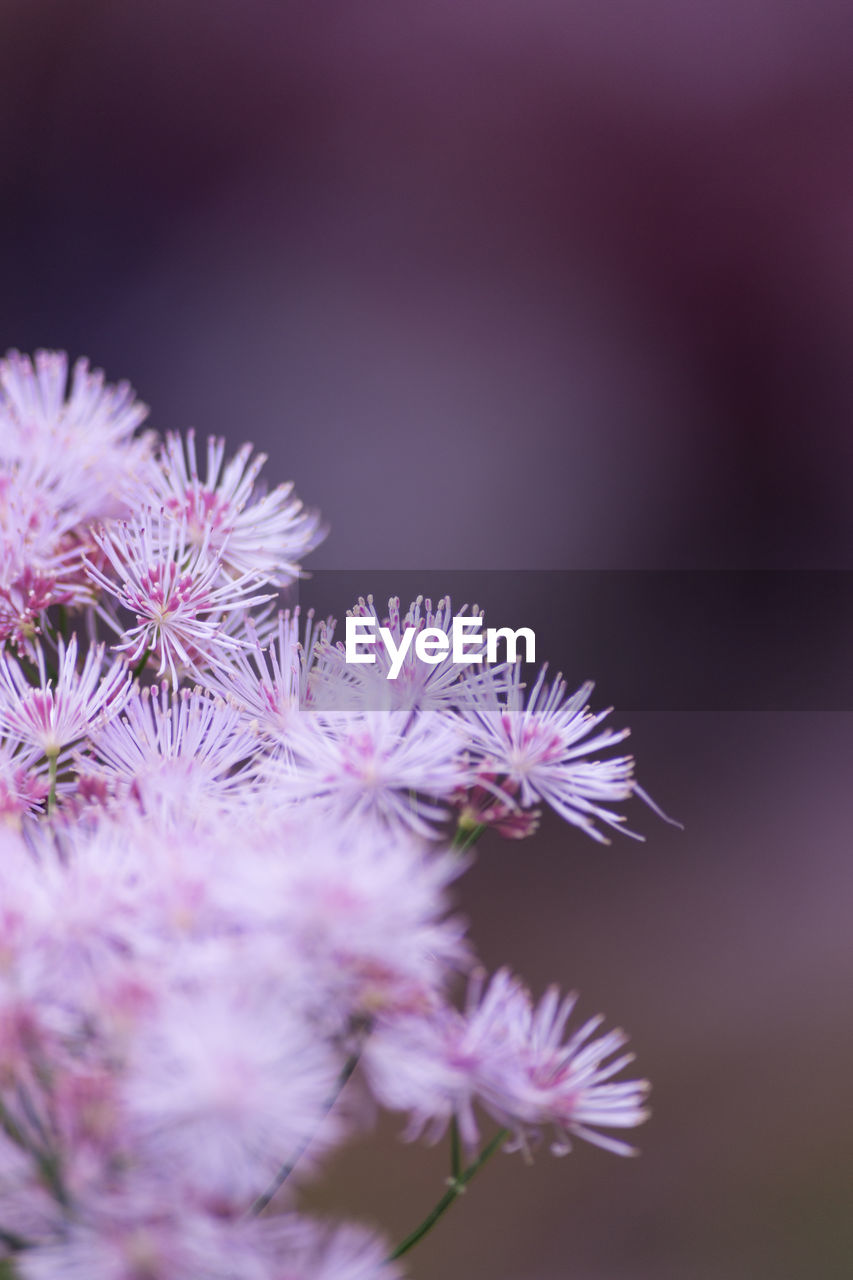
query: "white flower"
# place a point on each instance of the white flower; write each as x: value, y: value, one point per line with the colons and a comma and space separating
x: 181, y: 752
x: 270, y: 684
x: 265, y: 534
x: 175, y: 590
x: 81, y: 441
x: 541, y: 749
x: 226, y: 1083
x: 507, y: 1056
x: 50, y: 716
x: 389, y: 766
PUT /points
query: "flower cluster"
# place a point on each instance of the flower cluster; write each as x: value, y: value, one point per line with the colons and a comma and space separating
x: 226, y: 869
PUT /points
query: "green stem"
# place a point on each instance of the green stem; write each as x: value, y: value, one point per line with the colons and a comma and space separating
x: 13, y: 1242
x: 465, y: 835
x: 11, y: 1128
x: 287, y: 1169
x: 52, y: 760
x: 51, y: 1173
x: 48, y: 1163
x: 141, y: 664
x: 452, y: 1193
x: 455, y: 1150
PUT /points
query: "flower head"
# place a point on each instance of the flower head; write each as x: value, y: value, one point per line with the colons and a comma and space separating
x: 182, y: 751
x: 507, y: 1056
x: 541, y: 748
x: 176, y: 592
x: 52, y: 715
x: 23, y: 788
x: 80, y: 439
x: 271, y: 680
x: 417, y: 686
x: 264, y: 534
x: 388, y: 766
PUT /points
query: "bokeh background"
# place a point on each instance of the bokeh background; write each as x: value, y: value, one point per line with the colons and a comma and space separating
x: 528, y: 286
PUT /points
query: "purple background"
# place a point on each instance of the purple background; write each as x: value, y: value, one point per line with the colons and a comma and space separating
x: 524, y: 286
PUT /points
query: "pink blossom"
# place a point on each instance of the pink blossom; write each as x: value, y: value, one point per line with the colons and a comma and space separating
x: 390, y: 766
x: 508, y: 1057
x: 23, y: 788
x: 51, y: 715
x: 182, y: 752
x: 263, y: 534
x: 442, y: 686
x: 81, y: 440
x: 270, y: 680
x: 541, y: 747
x: 176, y: 592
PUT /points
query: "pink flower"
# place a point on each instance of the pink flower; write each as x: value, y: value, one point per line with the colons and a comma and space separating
x: 139, y: 1238
x: 572, y: 1082
x: 23, y: 788
x: 226, y: 1082
x: 271, y: 684
x: 390, y: 766
x: 40, y: 555
x: 419, y: 686
x: 508, y: 1057
x: 367, y: 910
x: 80, y: 440
x: 176, y: 592
x: 181, y: 752
x: 485, y: 804
x: 50, y: 716
x: 263, y: 534
x: 540, y: 748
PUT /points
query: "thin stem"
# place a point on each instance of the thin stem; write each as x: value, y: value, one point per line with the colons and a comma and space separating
x: 62, y: 625
x: 13, y: 1242
x: 141, y: 664
x: 455, y: 1150
x: 52, y: 760
x: 287, y: 1169
x: 465, y: 835
x: 11, y: 1128
x: 51, y: 1173
x: 452, y: 1193
x: 48, y: 1163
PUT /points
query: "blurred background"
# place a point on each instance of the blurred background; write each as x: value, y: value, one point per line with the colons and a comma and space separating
x: 521, y: 287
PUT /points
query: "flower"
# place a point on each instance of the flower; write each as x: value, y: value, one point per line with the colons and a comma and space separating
x: 264, y: 534
x: 40, y: 555
x: 175, y: 590
x: 51, y: 718
x: 23, y: 789
x: 81, y: 440
x: 506, y: 1055
x: 183, y: 751
x: 540, y: 749
x: 312, y: 1251
x: 367, y: 910
x: 572, y: 1085
x: 226, y: 1081
x: 418, y: 686
x: 139, y: 1237
x: 388, y: 766
x: 271, y: 684
x: 214, y: 897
